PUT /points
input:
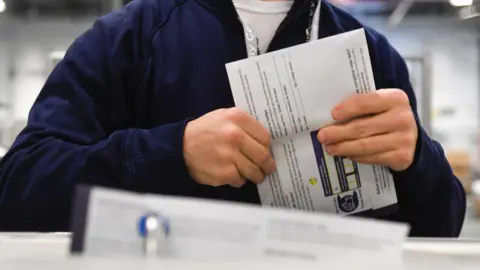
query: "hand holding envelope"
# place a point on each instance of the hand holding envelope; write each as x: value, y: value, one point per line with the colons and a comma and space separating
x: 226, y: 147
x: 387, y: 136
x: 292, y: 93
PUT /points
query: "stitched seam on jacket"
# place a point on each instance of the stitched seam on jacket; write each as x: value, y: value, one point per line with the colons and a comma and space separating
x: 149, y: 43
x: 128, y: 155
x: 162, y: 24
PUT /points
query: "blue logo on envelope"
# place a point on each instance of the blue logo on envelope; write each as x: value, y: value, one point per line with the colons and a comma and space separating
x: 348, y: 203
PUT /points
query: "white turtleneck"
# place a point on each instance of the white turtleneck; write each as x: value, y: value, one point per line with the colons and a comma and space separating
x: 264, y: 17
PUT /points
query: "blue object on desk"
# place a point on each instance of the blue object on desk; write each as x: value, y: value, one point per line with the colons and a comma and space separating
x: 151, y: 222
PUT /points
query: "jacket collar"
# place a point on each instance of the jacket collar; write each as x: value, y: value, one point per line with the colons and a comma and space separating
x: 329, y: 24
x: 227, y: 5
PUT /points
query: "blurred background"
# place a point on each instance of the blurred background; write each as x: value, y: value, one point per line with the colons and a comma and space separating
x: 440, y: 40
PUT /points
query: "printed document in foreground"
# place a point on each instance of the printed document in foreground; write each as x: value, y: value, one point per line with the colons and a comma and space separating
x: 106, y: 223
x: 292, y: 93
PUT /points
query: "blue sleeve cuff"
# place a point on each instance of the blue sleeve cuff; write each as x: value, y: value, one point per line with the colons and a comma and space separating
x: 156, y: 162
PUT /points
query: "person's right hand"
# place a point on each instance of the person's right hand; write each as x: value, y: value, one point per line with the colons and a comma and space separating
x: 226, y: 147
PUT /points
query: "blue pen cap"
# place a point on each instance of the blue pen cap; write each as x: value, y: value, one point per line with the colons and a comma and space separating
x: 151, y: 222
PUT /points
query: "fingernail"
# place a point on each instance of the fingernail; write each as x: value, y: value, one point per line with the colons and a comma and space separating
x: 273, y: 167
x: 329, y: 149
x: 269, y: 167
x: 337, y: 113
x: 321, y: 136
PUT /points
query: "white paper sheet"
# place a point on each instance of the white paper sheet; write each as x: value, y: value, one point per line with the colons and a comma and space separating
x: 292, y: 92
x: 214, y: 231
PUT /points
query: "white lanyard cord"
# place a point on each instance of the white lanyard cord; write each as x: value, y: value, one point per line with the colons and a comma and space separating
x: 251, y: 40
x: 314, y: 27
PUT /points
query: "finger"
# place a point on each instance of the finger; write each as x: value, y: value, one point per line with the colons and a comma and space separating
x: 384, y: 158
x: 258, y: 154
x: 392, y: 159
x: 238, y: 184
x: 250, y: 125
x: 249, y: 170
x: 370, y: 103
x: 366, y: 146
x: 229, y: 175
x: 364, y: 127
x: 238, y: 181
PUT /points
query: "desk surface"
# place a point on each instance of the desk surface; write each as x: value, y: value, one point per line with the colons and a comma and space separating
x: 50, y: 251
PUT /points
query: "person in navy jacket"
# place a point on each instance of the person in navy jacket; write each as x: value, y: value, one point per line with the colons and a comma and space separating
x: 142, y: 102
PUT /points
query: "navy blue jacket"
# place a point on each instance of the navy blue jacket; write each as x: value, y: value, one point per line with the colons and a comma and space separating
x: 113, y: 113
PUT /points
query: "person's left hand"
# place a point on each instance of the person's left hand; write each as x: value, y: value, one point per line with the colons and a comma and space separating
x: 374, y: 128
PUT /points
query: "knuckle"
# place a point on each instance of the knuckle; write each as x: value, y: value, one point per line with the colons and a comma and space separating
x: 405, y: 119
x: 363, y: 146
x: 400, y: 96
x: 361, y: 128
x: 232, y: 133
x: 228, y: 174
